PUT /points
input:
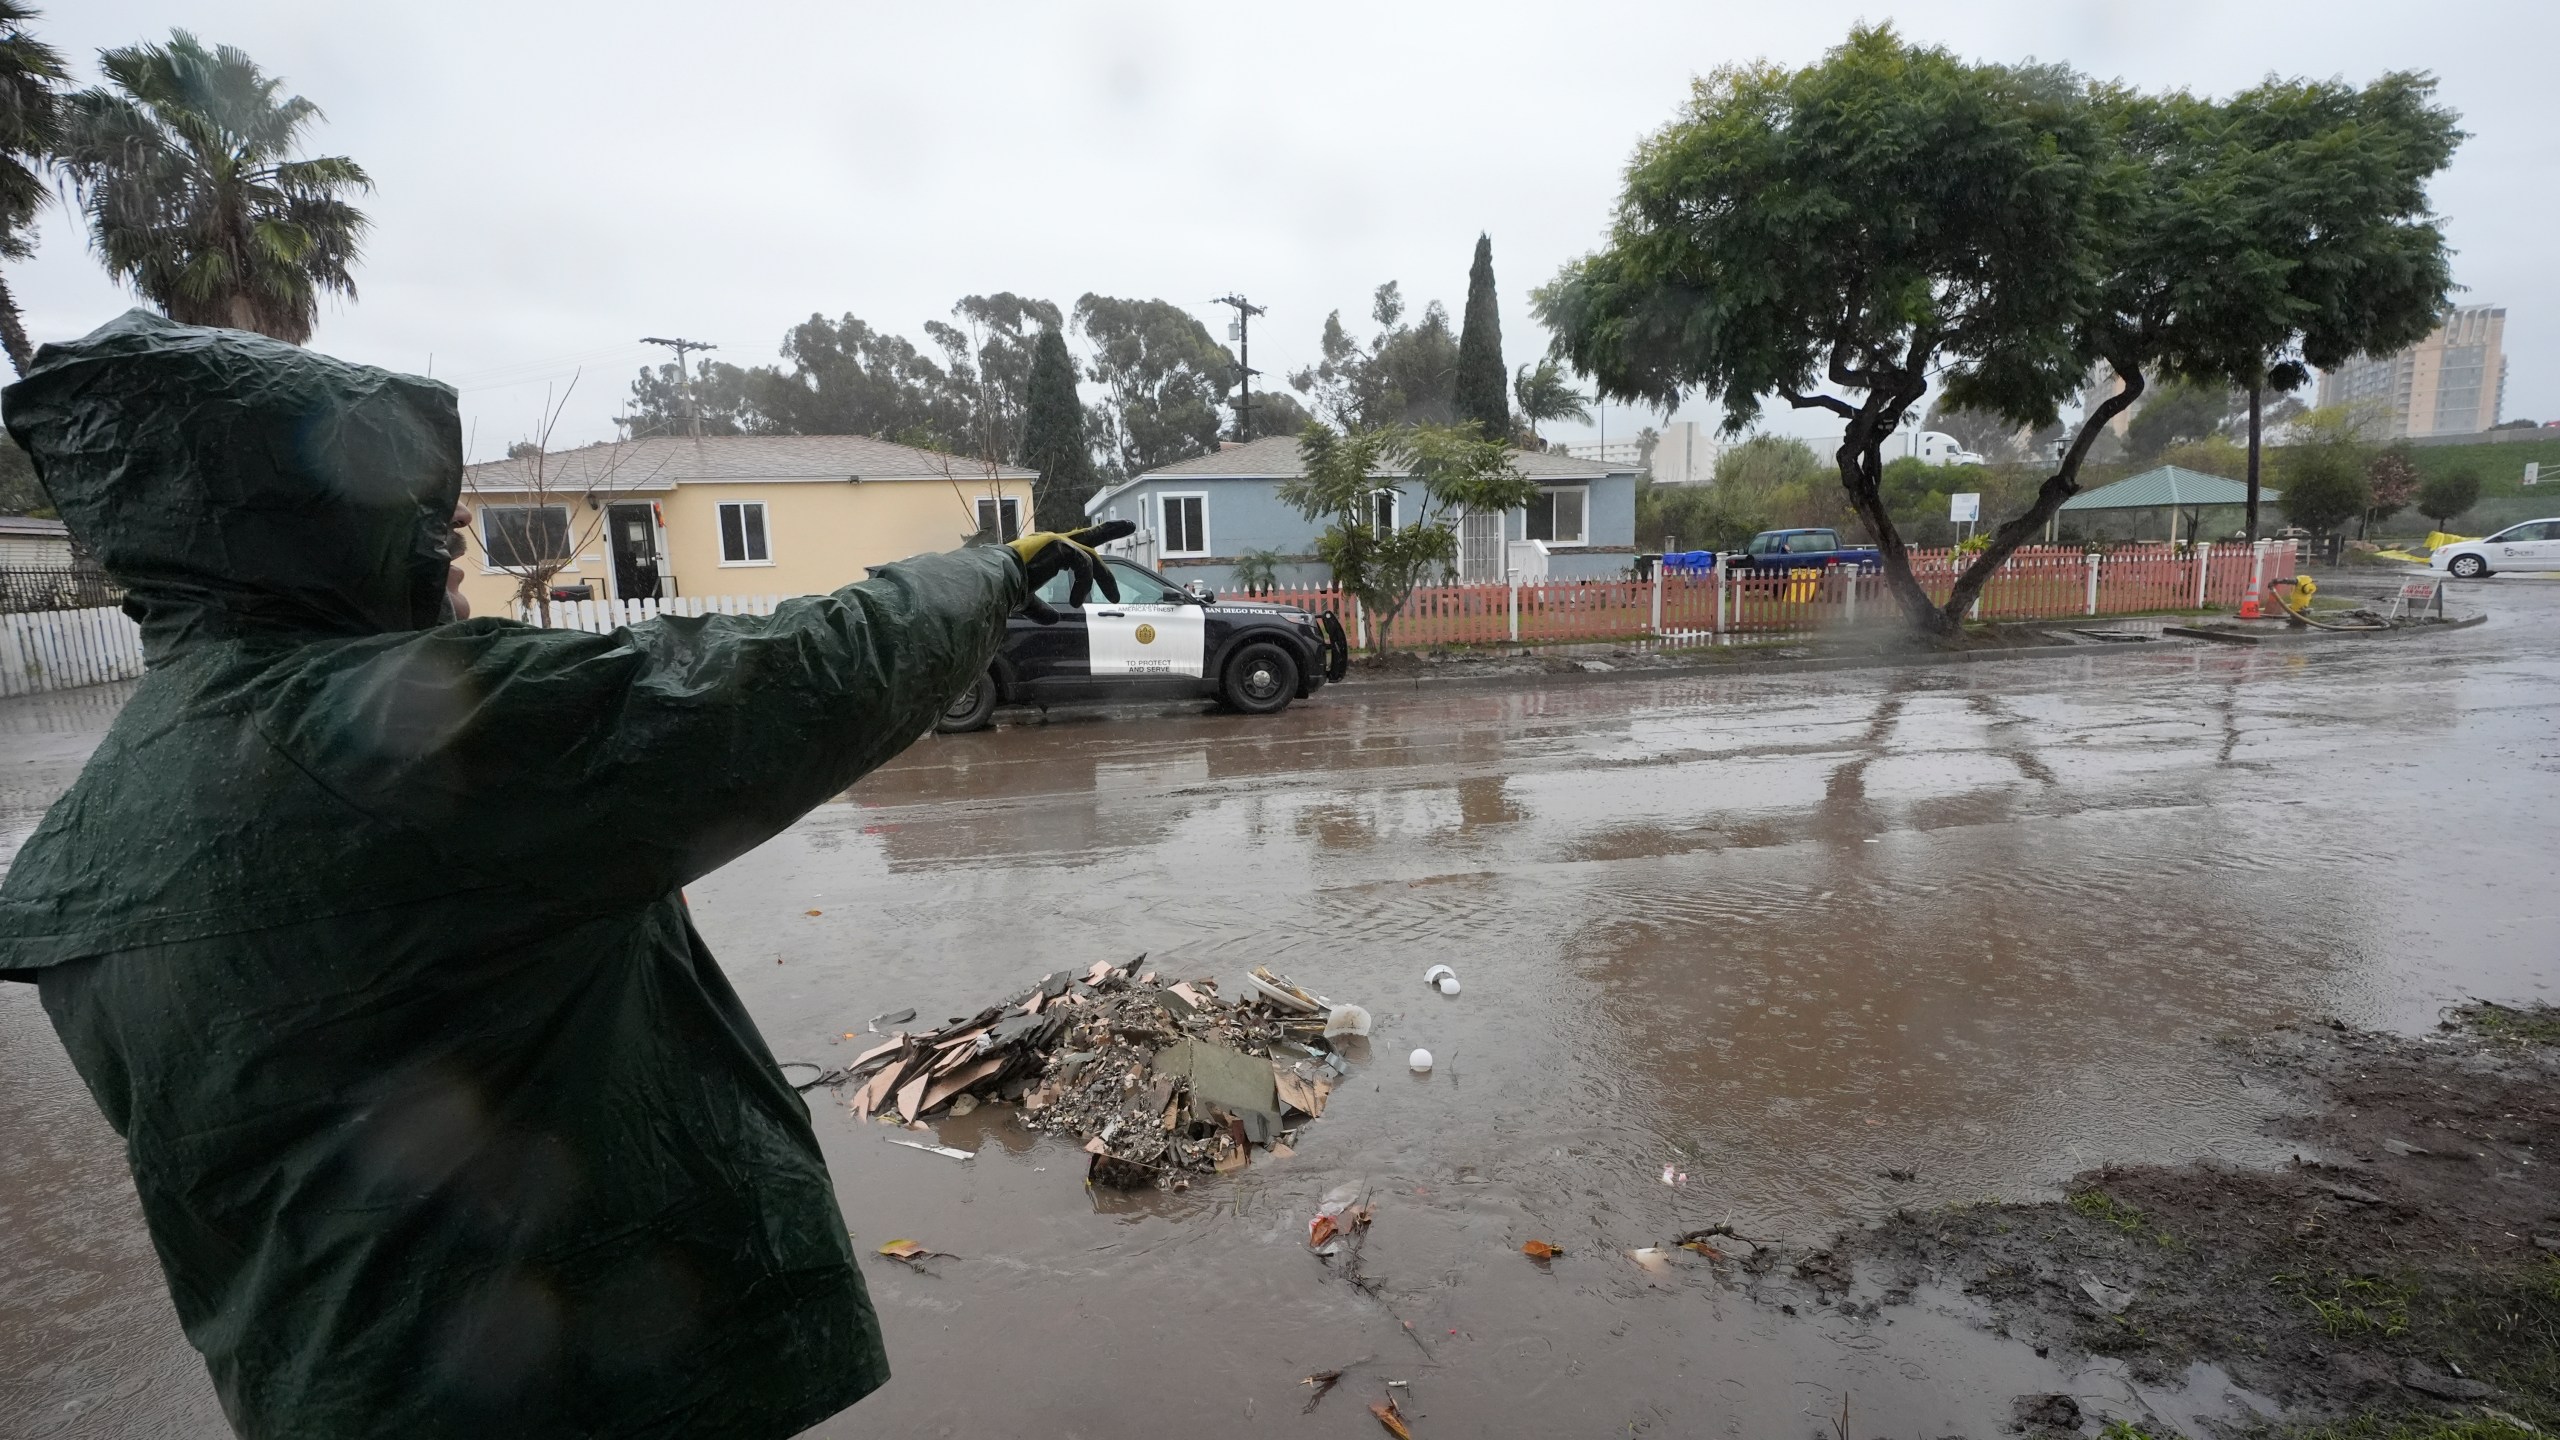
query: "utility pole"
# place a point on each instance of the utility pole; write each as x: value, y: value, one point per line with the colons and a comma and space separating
x: 2256, y: 388
x: 1243, y: 332
x: 692, y: 421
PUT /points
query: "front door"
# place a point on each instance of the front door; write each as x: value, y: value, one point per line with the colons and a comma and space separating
x: 635, y: 551
x: 1480, y: 550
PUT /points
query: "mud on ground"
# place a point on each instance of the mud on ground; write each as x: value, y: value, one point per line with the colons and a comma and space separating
x: 2399, y: 1277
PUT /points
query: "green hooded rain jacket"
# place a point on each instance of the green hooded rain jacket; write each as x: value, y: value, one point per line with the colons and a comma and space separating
x: 363, y: 925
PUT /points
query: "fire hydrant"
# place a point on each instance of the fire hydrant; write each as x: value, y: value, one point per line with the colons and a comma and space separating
x: 2295, y: 595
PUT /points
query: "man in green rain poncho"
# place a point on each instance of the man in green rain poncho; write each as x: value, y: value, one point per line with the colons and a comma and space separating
x: 443, y: 1127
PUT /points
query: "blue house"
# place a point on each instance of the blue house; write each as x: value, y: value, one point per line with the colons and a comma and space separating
x: 1195, y: 517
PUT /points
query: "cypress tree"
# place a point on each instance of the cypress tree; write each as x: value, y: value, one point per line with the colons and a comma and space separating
x: 1053, y: 436
x: 1483, y: 385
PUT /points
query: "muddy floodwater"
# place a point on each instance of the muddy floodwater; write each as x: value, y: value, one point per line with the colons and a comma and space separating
x: 1780, y: 933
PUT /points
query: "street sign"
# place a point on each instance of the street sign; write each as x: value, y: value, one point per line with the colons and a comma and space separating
x: 1963, y: 508
x: 2533, y: 472
x: 2419, y: 595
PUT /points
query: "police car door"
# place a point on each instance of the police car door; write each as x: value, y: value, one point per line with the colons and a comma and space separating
x: 1150, y: 635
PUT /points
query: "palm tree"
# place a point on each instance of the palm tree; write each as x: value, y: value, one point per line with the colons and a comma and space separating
x: 30, y: 123
x: 1544, y: 395
x: 181, y: 166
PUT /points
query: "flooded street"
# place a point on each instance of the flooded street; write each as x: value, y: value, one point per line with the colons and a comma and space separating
x: 1785, y: 933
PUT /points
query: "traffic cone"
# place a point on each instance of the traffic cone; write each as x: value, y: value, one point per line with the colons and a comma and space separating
x: 2249, y: 601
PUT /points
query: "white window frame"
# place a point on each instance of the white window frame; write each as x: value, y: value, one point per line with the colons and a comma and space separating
x: 1164, y: 531
x: 489, y: 558
x: 720, y: 523
x: 1546, y: 491
x: 1394, y: 507
x: 1008, y: 516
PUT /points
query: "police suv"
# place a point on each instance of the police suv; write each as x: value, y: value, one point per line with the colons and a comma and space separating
x: 1157, y: 641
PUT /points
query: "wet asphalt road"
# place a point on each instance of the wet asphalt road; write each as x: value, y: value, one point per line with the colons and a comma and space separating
x: 1783, y: 933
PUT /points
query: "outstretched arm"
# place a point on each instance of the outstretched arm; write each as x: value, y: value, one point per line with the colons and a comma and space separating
x: 629, y: 763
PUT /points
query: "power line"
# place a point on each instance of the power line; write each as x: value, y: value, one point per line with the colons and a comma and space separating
x: 1245, y: 311
x: 692, y: 421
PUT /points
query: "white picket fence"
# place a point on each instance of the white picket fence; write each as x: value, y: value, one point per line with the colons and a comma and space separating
x: 47, y: 650
x: 65, y: 649
x: 602, y: 617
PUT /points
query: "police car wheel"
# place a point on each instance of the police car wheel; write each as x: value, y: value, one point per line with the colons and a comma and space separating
x: 1260, y: 679
x: 970, y: 708
x: 2469, y: 567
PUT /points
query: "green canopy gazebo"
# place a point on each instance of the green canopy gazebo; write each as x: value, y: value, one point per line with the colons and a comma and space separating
x: 2171, y: 488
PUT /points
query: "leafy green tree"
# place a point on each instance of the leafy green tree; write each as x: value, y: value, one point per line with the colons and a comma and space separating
x: 2324, y: 488
x: 1054, y: 436
x: 1698, y: 517
x: 2393, y: 479
x: 989, y: 358
x: 1340, y: 476
x: 2212, y: 455
x: 1481, y: 394
x: 2325, y: 246
x: 1888, y: 215
x: 1168, y: 380
x: 1404, y: 375
x: 1766, y: 463
x: 2177, y: 413
x: 1277, y: 412
x: 181, y: 164
x: 31, y: 77
x: 847, y: 378
x: 656, y: 404
x: 1893, y: 214
x: 2326, y: 468
x: 2451, y: 494
x: 1544, y: 395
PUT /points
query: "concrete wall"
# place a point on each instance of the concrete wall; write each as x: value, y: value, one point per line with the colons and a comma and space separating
x: 820, y: 535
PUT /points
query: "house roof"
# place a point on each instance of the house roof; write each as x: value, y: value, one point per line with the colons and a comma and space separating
x: 30, y: 527
x: 661, y: 462
x: 2169, y: 485
x: 1275, y: 457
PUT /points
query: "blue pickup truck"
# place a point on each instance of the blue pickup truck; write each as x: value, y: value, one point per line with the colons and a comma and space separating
x: 1803, y: 549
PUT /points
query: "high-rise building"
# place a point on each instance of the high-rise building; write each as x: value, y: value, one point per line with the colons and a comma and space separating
x: 2454, y: 382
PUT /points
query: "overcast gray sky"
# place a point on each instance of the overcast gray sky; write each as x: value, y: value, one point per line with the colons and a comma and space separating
x: 557, y: 179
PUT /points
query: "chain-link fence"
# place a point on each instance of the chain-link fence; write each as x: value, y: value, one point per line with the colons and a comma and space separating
x: 70, y: 587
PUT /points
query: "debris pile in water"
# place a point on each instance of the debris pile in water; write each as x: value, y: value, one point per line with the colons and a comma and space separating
x: 1157, y: 1079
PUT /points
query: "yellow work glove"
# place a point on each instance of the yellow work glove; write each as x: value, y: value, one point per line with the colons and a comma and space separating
x: 1044, y: 553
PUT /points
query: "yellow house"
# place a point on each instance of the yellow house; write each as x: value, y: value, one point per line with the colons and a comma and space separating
x: 747, y: 515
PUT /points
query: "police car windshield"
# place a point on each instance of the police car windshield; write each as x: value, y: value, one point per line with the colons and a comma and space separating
x: 1137, y: 587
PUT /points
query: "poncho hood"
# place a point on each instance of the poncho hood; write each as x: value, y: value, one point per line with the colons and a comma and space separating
x: 240, y: 487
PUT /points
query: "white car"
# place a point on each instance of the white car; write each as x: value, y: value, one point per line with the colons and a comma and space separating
x: 2533, y: 545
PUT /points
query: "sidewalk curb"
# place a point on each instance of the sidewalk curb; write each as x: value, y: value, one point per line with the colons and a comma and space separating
x: 1825, y: 663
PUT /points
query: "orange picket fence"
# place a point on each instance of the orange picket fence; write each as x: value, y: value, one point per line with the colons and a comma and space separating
x: 2039, y: 582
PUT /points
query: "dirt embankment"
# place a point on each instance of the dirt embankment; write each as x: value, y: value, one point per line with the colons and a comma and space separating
x: 2399, y: 1279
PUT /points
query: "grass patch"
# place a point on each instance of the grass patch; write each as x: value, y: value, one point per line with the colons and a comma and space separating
x: 2105, y: 1208
x: 2353, y: 1306
x: 2433, y: 1427
x: 2539, y: 1025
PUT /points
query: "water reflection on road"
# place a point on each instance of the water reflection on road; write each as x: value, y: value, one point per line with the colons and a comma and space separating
x: 1784, y: 933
